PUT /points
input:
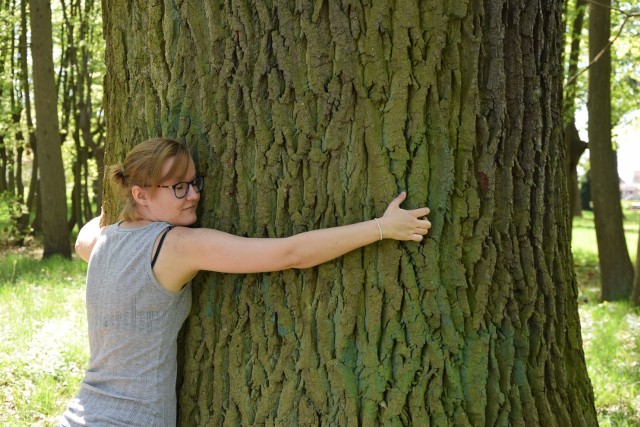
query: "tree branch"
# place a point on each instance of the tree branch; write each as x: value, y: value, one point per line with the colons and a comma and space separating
x: 627, y: 16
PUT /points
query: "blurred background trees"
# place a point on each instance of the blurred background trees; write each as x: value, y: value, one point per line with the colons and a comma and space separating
x: 602, y: 98
x: 78, y: 61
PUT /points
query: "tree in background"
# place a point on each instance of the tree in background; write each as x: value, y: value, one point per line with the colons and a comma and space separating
x: 82, y: 118
x: 52, y: 182
x: 79, y: 68
x: 575, y: 146
x: 635, y: 297
x: 17, y: 133
x: 313, y: 114
x: 616, y: 270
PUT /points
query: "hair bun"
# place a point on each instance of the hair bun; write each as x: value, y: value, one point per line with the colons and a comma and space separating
x: 117, y: 172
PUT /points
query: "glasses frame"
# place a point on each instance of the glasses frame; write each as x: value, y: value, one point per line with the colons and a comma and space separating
x: 191, y: 183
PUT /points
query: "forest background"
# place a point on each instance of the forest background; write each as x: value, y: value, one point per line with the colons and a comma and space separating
x: 31, y: 374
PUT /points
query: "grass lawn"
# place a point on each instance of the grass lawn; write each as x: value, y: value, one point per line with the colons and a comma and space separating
x: 43, y: 343
x: 610, y: 331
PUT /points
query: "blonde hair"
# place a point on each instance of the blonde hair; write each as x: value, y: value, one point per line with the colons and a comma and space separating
x: 143, y: 167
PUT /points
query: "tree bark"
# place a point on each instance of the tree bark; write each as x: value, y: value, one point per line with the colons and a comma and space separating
x: 616, y: 270
x: 570, y: 88
x: 575, y: 148
x: 635, y: 298
x: 52, y: 182
x: 317, y: 115
x: 30, y: 140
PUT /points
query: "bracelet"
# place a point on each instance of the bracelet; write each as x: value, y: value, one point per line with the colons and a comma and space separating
x: 379, y: 229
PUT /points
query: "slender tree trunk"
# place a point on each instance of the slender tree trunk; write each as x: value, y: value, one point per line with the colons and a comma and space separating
x: 52, y: 182
x: 635, y: 298
x: 616, y: 270
x: 30, y: 139
x: 6, y: 49
x: 315, y: 114
x: 574, y: 57
x: 3, y: 164
x: 575, y: 146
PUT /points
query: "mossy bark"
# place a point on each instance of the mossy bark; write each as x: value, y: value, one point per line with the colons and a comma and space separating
x: 316, y: 114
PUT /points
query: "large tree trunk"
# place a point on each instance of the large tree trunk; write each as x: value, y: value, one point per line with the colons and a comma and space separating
x: 52, y: 185
x: 616, y: 270
x: 317, y: 115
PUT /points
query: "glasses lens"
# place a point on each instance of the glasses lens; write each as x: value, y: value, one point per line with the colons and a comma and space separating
x: 198, y: 183
x: 180, y: 189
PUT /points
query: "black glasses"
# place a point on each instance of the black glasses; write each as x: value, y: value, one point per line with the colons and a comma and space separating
x: 181, y: 189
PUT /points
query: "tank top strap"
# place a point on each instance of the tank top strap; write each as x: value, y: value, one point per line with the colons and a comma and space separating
x: 164, y: 234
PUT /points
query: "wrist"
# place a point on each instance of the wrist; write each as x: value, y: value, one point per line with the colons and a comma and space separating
x: 379, y: 228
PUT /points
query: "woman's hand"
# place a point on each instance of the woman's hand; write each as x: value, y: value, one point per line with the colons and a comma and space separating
x: 401, y: 224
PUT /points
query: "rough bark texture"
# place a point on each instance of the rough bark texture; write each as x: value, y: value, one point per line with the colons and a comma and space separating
x: 52, y: 185
x: 315, y: 114
x: 616, y: 270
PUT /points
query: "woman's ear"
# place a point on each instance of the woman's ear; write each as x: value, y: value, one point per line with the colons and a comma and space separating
x: 139, y: 195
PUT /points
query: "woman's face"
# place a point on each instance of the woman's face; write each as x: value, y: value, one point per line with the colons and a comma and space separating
x: 167, y: 207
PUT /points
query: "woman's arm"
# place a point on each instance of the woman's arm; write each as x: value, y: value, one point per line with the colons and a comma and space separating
x: 212, y: 250
x: 87, y: 238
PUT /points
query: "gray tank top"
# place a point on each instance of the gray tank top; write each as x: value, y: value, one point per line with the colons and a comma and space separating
x: 133, y: 326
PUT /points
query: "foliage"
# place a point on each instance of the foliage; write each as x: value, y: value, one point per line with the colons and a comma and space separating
x: 625, y: 57
x: 78, y: 56
x: 12, y: 231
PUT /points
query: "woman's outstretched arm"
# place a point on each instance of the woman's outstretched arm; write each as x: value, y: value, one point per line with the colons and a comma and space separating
x: 212, y: 250
x: 87, y: 238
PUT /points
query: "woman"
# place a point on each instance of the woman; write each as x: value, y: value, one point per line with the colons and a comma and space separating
x: 138, y: 292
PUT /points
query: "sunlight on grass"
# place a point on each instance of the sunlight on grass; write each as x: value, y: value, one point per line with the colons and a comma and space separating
x: 611, y: 334
x: 43, y: 344
x: 610, y: 331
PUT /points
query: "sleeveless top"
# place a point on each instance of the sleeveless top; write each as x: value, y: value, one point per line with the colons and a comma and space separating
x: 133, y: 327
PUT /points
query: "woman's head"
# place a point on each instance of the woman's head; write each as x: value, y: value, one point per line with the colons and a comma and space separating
x: 144, y: 167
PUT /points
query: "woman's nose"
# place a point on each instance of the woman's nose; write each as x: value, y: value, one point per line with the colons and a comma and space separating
x: 193, y: 193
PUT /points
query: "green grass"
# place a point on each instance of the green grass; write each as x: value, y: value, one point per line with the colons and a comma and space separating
x: 611, y: 336
x: 43, y: 343
x: 44, y: 348
x: 585, y: 251
x: 610, y: 330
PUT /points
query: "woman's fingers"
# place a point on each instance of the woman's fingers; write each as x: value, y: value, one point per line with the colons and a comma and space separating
x: 406, y: 224
x: 420, y: 212
x: 395, y: 203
